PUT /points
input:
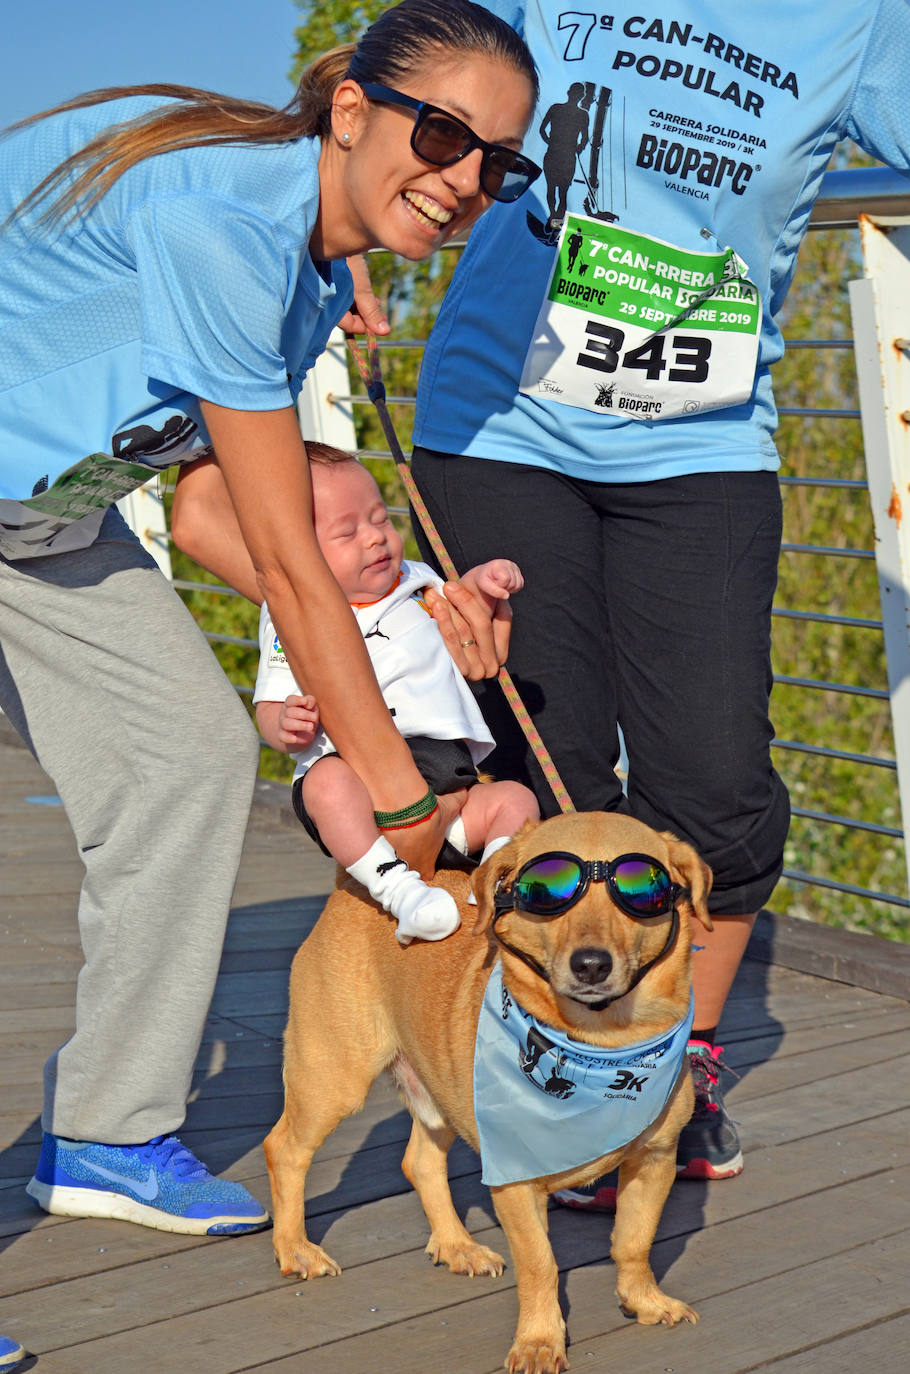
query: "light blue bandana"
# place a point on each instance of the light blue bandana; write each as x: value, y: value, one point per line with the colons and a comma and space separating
x: 545, y: 1103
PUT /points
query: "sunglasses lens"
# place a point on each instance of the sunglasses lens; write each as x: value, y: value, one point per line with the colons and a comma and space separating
x: 440, y: 139
x: 546, y: 886
x: 505, y: 175
x: 645, y: 889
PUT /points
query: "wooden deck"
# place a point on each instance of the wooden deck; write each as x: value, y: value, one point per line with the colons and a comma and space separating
x: 800, y: 1266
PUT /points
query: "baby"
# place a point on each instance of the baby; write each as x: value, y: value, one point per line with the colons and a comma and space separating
x: 431, y: 703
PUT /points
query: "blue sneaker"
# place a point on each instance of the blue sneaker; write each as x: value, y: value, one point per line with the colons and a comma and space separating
x: 160, y: 1184
x: 11, y: 1353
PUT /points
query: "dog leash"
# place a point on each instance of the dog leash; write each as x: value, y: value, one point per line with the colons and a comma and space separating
x: 370, y: 370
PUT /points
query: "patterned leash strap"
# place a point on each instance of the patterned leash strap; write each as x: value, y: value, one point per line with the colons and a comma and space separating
x: 370, y: 370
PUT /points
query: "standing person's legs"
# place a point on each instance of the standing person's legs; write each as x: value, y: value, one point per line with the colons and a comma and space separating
x: 691, y: 567
x: 113, y: 687
x: 559, y: 656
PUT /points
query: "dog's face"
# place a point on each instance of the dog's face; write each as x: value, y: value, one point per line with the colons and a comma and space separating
x: 594, y: 953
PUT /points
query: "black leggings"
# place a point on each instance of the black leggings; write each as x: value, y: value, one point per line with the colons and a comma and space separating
x: 645, y: 605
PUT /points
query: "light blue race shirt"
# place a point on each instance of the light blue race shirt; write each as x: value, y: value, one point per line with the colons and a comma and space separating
x: 705, y: 125
x: 191, y: 278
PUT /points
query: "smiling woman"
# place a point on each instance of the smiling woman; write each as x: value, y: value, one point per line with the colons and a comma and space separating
x: 172, y: 265
x: 412, y: 183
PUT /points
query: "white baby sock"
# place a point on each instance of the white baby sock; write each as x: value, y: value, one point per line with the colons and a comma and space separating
x: 423, y: 912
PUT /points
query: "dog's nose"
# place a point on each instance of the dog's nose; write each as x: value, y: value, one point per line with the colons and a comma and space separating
x: 591, y: 965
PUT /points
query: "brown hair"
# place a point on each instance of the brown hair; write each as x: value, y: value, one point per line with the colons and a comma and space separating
x: 400, y: 40
x: 327, y: 456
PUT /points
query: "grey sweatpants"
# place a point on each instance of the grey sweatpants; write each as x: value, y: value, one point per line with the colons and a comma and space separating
x: 115, y: 690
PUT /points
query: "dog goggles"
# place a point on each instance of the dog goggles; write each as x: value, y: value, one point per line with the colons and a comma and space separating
x: 441, y: 139
x: 550, y: 884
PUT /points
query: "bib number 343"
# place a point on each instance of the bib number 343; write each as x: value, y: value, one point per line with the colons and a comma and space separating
x: 636, y: 327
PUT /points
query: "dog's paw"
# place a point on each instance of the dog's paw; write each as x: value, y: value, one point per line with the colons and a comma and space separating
x: 309, y: 1261
x: 468, y: 1258
x: 657, y: 1309
x: 537, y: 1357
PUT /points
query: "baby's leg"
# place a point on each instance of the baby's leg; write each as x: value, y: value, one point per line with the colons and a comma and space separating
x: 494, y: 811
x: 340, y: 807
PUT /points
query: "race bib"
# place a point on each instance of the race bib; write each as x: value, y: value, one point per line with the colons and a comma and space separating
x: 635, y: 327
x: 68, y: 515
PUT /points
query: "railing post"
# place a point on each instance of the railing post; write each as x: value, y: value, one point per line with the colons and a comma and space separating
x: 321, y: 416
x: 143, y: 511
x: 880, y: 306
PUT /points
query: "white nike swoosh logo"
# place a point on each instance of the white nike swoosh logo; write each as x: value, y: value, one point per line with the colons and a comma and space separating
x: 147, y: 1189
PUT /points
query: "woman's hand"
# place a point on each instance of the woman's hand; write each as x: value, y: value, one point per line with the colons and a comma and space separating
x: 366, y: 315
x: 477, y: 641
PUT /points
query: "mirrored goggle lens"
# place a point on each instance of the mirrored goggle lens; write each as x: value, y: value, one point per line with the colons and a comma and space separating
x: 645, y: 889
x: 547, y: 886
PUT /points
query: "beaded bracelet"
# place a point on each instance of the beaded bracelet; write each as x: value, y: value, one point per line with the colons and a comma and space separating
x: 408, y: 815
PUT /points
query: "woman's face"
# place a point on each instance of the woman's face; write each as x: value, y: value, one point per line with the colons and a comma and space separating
x: 378, y: 192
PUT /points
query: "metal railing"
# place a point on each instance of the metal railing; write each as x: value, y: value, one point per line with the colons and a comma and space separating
x: 880, y: 306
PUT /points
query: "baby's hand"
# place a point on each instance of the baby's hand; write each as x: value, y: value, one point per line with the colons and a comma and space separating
x: 298, y: 721
x: 498, y: 578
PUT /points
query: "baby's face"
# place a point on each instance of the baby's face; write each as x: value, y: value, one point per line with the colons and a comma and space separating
x: 353, y: 529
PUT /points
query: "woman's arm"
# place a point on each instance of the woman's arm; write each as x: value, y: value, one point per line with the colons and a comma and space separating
x: 204, y: 526
x: 262, y: 459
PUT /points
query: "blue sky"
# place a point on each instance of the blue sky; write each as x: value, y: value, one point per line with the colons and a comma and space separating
x: 54, y: 49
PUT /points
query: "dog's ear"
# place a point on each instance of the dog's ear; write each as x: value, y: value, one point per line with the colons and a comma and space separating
x: 489, y: 875
x: 686, y: 867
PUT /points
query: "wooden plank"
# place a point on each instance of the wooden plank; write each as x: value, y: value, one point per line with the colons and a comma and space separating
x: 857, y: 1028
x: 884, y: 1347
x: 754, y: 1325
x: 826, y: 1104
x: 814, y: 1066
x: 398, y: 1297
x: 356, y: 1236
x: 265, y: 989
x: 602, y: 1340
x: 801, y: 1003
x: 845, y: 955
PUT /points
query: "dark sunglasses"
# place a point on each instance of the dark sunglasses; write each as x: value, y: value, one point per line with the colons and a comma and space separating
x: 551, y: 883
x: 442, y: 139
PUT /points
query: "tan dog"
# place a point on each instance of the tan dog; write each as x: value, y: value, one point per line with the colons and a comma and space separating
x: 415, y: 1011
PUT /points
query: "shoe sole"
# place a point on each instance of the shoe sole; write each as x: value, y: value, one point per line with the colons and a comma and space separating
x: 14, y: 1358
x: 93, y: 1202
x: 704, y: 1169
x: 604, y: 1200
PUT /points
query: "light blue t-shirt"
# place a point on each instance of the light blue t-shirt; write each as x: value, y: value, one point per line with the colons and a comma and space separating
x: 676, y: 119
x: 191, y: 278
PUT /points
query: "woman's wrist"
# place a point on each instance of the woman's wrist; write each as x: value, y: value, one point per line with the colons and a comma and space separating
x: 407, y: 816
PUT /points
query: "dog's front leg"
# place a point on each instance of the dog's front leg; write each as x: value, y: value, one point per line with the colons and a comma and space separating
x: 425, y: 1166
x: 288, y: 1159
x: 540, y: 1337
x: 645, y: 1180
